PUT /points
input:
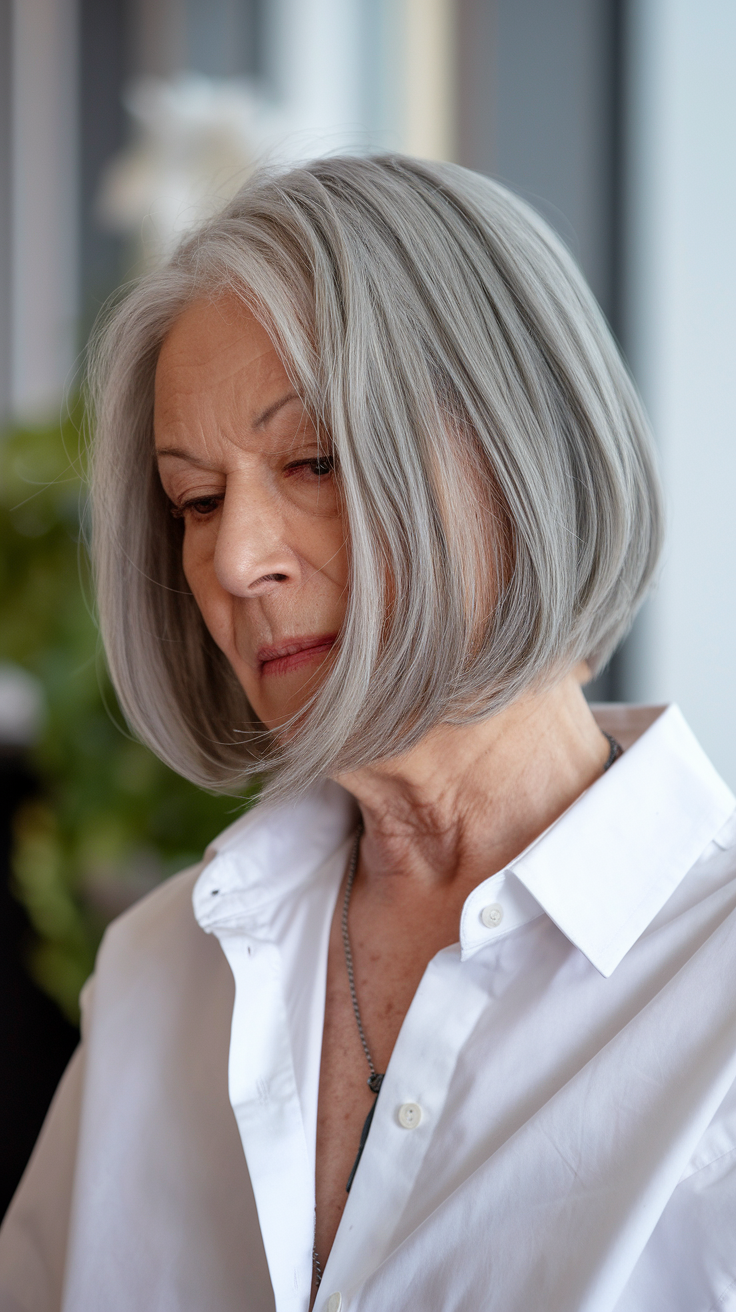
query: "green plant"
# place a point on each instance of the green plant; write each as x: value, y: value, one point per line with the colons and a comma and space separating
x: 110, y: 820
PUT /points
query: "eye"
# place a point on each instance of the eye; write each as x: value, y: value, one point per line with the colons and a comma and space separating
x: 317, y: 467
x: 196, y: 508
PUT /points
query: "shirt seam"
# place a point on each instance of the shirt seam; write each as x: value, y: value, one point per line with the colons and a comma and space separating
x: 706, y: 1166
x: 717, y: 1306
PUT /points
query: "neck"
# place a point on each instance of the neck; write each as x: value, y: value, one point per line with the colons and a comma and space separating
x: 467, y: 800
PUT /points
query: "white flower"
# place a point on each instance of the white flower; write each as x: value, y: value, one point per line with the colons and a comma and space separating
x: 197, y: 141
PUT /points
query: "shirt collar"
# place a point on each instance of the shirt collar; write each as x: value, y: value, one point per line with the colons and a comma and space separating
x: 268, y: 854
x: 609, y: 864
x: 601, y: 872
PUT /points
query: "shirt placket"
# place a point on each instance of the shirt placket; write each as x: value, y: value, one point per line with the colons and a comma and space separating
x: 265, y: 1100
x: 441, y: 1017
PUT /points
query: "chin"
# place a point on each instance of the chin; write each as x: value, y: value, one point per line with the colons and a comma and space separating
x: 278, y: 713
x: 280, y: 695
x: 284, y: 725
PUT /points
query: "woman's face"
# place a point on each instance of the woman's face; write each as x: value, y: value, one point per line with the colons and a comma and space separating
x: 264, y: 537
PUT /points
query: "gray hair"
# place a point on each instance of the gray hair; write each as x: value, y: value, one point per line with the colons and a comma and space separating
x: 503, y: 508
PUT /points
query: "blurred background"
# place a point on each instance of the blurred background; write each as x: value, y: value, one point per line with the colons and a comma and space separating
x: 122, y: 122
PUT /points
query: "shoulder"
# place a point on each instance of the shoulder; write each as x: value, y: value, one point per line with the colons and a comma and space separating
x: 707, y: 894
x: 153, y: 960
x: 161, y: 916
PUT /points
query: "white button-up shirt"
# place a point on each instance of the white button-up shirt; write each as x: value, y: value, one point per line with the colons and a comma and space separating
x: 556, y: 1129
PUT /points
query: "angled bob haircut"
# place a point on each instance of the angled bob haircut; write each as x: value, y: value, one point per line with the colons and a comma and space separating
x: 496, y: 469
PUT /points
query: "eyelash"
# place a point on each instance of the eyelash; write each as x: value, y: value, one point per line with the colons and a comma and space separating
x: 212, y: 502
x: 329, y: 461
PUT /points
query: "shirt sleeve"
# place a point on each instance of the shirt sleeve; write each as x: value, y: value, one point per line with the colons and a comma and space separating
x: 33, y: 1237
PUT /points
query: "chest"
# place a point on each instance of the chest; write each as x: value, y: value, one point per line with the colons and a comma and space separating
x: 391, y: 947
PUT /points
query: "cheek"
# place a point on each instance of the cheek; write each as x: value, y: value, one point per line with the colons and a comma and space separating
x: 326, y: 550
x: 195, y: 565
x: 198, y: 562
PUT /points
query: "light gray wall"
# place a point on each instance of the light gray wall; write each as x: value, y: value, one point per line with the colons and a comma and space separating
x: 45, y: 233
x: 220, y: 38
x: 538, y: 91
x: 105, y: 56
x: 681, y: 333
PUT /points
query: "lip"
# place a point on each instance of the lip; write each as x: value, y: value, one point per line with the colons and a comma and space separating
x: 293, y: 652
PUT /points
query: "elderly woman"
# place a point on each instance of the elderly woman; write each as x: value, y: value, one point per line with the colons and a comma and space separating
x: 448, y: 1020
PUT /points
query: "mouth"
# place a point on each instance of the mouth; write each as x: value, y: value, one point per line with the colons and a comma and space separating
x: 293, y: 653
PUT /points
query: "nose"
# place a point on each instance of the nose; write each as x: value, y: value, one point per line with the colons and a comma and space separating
x: 251, y: 556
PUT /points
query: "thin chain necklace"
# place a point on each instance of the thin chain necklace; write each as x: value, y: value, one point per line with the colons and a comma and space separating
x: 375, y: 1079
x: 616, y: 750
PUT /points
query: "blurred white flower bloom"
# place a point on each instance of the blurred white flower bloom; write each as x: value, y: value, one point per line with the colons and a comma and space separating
x: 198, y: 139
x: 22, y: 706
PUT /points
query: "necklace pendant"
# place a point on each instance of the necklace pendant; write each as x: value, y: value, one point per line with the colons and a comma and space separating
x: 374, y: 1082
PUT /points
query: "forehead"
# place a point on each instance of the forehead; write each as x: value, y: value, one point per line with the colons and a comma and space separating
x: 216, y: 352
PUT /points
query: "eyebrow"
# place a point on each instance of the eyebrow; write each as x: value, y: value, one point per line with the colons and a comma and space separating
x: 179, y: 453
x: 268, y: 414
x: 260, y: 421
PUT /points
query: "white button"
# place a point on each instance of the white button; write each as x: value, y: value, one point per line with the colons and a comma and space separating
x: 334, y: 1303
x: 410, y: 1114
x: 492, y: 915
